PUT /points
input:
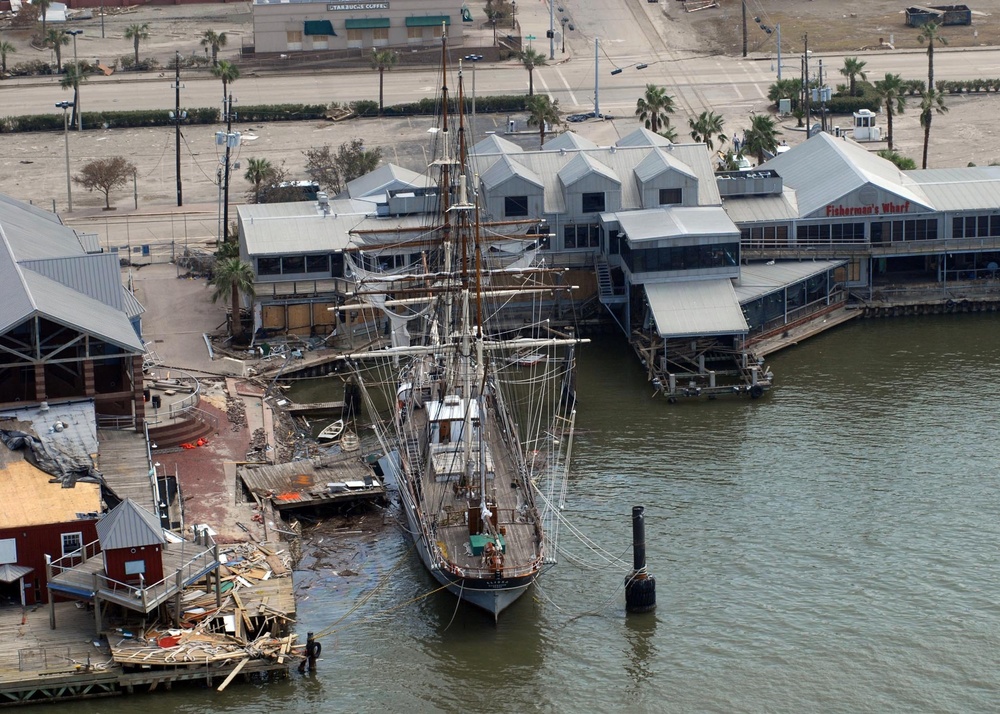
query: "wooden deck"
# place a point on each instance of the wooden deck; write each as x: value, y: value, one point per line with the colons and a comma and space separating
x: 315, y: 408
x: 125, y: 466
x: 305, y: 484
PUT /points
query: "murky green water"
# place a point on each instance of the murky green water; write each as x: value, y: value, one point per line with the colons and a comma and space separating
x: 831, y: 547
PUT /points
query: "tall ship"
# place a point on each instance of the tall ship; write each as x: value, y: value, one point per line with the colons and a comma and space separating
x: 472, y: 390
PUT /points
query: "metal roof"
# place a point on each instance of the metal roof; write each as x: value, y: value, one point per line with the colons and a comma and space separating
x: 696, y: 308
x: 97, y: 275
x: 763, y: 209
x: 581, y: 166
x: 658, y: 162
x: 385, y: 178
x: 496, y: 144
x: 644, y: 137
x: 129, y: 526
x: 757, y: 279
x: 674, y: 222
x: 10, y: 572
x: 568, y: 140
x: 505, y: 169
x: 824, y: 169
x: 299, y: 227
x: 960, y: 189
x: 33, y: 233
x: 621, y: 161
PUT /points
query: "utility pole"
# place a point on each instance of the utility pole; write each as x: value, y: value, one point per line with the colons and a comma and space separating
x: 778, y: 29
x: 552, y: 30
x: 231, y: 140
x: 805, y: 80
x: 177, y: 123
x: 597, y: 82
x: 744, y: 5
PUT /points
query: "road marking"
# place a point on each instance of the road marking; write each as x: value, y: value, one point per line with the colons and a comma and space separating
x: 572, y: 96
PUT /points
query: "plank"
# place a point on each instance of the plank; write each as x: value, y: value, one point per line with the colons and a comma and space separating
x: 232, y: 675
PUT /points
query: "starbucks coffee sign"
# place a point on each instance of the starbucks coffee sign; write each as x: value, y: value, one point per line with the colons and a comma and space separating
x: 356, y: 6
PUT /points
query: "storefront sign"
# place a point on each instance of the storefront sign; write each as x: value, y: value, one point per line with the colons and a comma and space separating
x: 356, y: 6
x: 872, y: 209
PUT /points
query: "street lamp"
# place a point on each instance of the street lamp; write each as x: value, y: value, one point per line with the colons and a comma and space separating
x: 69, y: 190
x: 474, y: 59
x: 564, y: 20
x: 513, y: 14
x: 76, y: 82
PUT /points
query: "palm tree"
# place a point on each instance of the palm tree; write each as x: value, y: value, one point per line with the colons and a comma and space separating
x: 43, y: 8
x: 228, y: 73
x: 761, y: 137
x: 55, y: 39
x: 654, y: 108
x: 784, y: 89
x: 6, y: 48
x: 929, y: 34
x: 852, y: 69
x: 383, y: 60
x: 932, y: 102
x: 543, y: 111
x: 531, y: 58
x: 71, y: 79
x: 214, y: 40
x: 232, y: 277
x: 137, y: 33
x: 891, y: 92
x: 258, y: 171
x: 706, y: 126
x: 905, y: 163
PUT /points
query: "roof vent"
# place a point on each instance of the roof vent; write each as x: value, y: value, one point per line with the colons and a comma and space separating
x: 43, y: 407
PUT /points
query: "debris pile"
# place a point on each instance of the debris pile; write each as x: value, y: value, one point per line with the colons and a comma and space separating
x: 258, y: 446
x: 236, y: 411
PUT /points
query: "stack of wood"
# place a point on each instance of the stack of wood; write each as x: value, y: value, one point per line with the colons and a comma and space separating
x: 253, y: 621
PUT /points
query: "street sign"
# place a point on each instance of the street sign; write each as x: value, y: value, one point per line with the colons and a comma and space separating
x: 530, y: 37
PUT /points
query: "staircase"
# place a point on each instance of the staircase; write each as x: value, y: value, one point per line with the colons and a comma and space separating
x: 605, y: 285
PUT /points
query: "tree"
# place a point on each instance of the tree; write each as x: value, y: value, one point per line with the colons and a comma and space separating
x: 531, y: 58
x: 932, y: 102
x: 852, y: 69
x: 383, y: 60
x: 904, y: 163
x: 43, y: 8
x: 929, y: 34
x: 706, y: 126
x: 655, y: 107
x: 784, y: 89
x: 334, y: 170
x: 228, y: 73
x: 232, y: 277
x: 543, y: 111
x: 761, y: 137
x: 105, y: 175
x: 137, y: 33
x: 258, y: 172
x: 6, y: 48
x: 71, y: 79
x: 216, y: 41
x: 891, y: 92
x: 55, y: 39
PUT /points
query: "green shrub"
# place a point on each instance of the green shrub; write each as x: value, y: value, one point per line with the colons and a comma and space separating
x: 865, y: 99
x: 365, y: 107
x: 281, y: 112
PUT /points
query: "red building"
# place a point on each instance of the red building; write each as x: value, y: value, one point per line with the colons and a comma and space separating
x: 132, y: 543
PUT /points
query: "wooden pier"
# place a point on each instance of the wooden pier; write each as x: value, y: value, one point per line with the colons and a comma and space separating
x: 315, y: 408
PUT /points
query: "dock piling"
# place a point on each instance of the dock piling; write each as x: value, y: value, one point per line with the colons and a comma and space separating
x: 640, y: 586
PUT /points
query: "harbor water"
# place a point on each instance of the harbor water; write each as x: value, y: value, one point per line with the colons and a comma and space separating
x: 831, y: 547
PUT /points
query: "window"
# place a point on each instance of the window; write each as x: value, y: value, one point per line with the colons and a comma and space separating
x: 680, y: 257
x: 320, y: 42
x: 921, y: 229
x: 72, y: 543
x: 414, y: 35
x: 593, y: 202
x: 514, y: 206
x: 380, y: 36
x: 586, y: 235
x: 317, y: 263
x: 135, y: 567
x: 293, y: 265
x: 438, y: 32
x: 670, y: 196
x: 293, y: 39
x: 8, y: 550
x: 354, y: 38
x: 975, y: 227
x: 268, y: 266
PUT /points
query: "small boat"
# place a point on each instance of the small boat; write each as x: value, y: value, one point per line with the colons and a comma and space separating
x: 332, y: 431
x: 349, y: 442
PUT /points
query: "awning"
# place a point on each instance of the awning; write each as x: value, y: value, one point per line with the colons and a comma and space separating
x: 367, y: 23
x: 695, y: 308
x: 428, y: 21
x: 319, y: 27
x: 9, y: 572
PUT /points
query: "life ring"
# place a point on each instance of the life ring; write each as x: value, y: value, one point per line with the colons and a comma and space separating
x: 756, y: 391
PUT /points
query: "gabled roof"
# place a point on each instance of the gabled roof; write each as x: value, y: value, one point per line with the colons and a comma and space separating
x: 495, y: 144
x: 658, y: 162
x: 643, y: 137
x: 568, y: 141
x: 129, y: 526
x: 506, y: 169
x: 583, y: 165
x: 387, y: 177
x: 845, y: 167
x: 694, y: 308
x: 960, y: 189
x: 675, y: 222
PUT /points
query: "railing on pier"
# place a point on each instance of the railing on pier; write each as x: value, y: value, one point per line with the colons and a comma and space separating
x: 116, y: 423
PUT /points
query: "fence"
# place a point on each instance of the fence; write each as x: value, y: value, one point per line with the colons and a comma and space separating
x: 154, y: 238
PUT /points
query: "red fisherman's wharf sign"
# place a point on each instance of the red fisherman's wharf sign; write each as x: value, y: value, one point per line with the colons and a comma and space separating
x: 872, y: 209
